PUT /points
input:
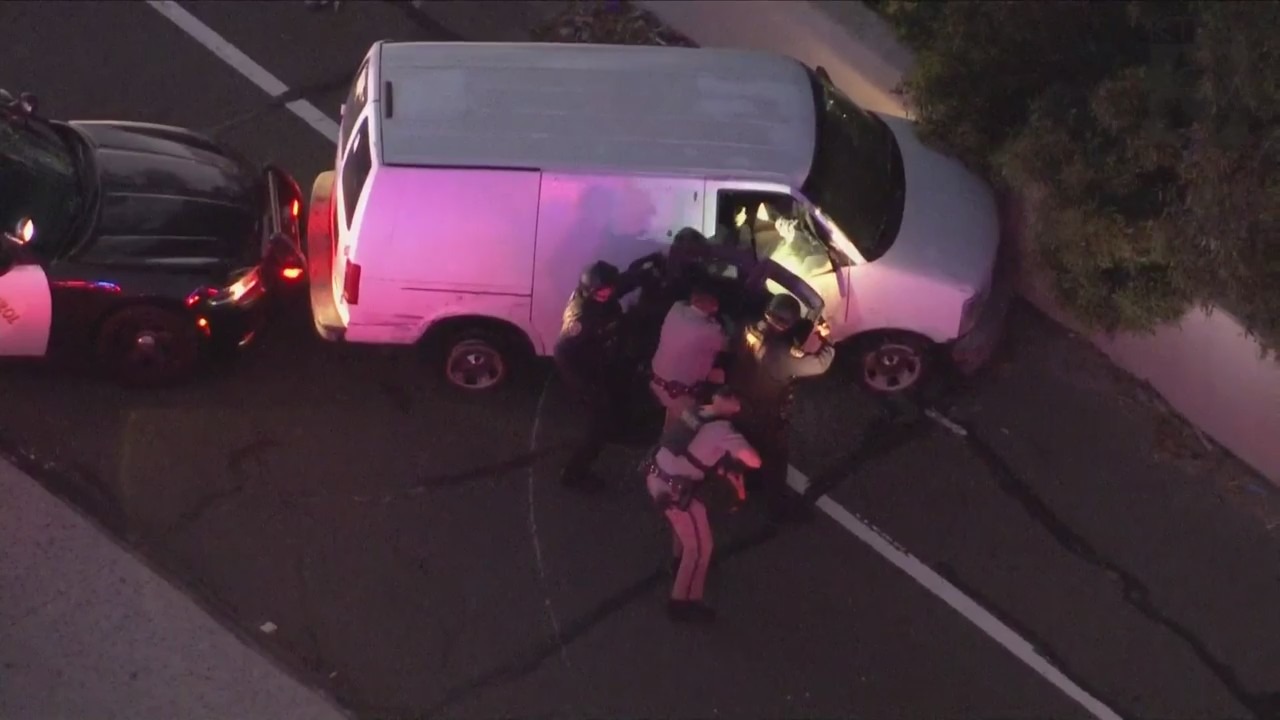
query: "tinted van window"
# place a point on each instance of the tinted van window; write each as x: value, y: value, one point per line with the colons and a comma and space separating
x: 355, y: 170
x: 356, y: 99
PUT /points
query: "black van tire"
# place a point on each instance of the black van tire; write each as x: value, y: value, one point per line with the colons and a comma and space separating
x: 148, y: 346
x: 892, y: 363
x: 477, y: 359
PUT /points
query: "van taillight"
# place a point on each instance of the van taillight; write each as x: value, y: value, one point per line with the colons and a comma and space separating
x: 351, y: 284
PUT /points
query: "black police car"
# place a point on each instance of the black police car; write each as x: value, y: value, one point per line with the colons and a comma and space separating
x: 139, y: 247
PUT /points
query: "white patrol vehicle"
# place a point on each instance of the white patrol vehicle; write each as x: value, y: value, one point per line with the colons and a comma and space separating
x: 474, y: 182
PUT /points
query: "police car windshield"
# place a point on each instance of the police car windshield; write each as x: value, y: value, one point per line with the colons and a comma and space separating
x: 40, y: 172
x: 856, y: 177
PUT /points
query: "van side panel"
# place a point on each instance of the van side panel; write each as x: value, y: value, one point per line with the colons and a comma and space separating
x: 444, y: 242
x: 584, y: 218
x: 459, y: 230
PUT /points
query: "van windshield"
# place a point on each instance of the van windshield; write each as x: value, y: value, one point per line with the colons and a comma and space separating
x: 857, y: 177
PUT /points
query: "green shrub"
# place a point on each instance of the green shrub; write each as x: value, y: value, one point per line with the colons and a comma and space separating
x: 608, y: 23
x: 1143, y: 135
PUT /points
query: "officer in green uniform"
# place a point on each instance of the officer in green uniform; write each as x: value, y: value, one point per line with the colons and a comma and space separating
x: 766, y: 363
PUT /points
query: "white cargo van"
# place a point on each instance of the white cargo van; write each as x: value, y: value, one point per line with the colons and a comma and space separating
x: 474, y: 181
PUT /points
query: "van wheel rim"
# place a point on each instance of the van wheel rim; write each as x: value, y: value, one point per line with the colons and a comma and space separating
x: 475, y: 365
x: 892, y: 368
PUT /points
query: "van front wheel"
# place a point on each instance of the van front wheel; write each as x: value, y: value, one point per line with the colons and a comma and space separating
x: 892, y: 363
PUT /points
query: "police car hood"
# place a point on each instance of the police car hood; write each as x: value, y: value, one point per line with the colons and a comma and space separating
x: 172, y: 196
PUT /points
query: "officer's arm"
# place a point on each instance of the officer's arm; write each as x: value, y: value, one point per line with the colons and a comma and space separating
x: 737, y: 447
x: 783, y: 362
x: 634, y: 276
x: 725, y: 354
x: 814, y: 364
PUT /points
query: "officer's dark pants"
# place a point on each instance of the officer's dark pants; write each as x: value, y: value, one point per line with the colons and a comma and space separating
x: 601, y: 426
x: 769, y: 435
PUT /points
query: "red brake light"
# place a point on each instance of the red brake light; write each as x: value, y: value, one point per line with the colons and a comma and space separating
x: 295, y: 208
x: 199, y: 294
x: 351, y: 284
x: 291, y: 273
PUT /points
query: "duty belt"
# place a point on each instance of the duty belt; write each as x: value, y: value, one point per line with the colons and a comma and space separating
x: 671, y: 387
x: 681, y: 486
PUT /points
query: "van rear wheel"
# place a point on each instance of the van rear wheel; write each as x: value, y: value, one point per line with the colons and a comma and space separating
x: 477, y: 360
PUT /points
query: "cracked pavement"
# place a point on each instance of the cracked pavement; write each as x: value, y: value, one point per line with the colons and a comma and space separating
x: 385, y: 528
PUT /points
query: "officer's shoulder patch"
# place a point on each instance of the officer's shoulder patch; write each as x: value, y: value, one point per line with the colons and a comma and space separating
x: 573, y: 329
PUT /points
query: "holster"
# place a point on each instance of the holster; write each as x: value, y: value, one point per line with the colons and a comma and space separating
x: 680, y: 489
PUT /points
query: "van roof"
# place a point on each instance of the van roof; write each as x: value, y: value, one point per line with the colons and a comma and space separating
x: 597, y: 108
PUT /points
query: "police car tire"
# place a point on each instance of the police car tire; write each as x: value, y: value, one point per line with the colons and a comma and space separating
x: 183, y: 346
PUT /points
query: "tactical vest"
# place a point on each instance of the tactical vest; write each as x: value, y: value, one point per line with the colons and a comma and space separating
x: 759, y: 389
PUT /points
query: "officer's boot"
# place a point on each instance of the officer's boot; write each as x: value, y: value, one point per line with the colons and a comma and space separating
x: 690, y: 611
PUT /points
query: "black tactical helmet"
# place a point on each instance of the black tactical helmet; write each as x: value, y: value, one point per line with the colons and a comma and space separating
x: 598, y: 276
x: 782, y: 312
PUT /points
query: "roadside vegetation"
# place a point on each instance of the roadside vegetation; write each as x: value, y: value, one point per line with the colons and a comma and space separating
x: 608, y: 22
x: 1142, y: 139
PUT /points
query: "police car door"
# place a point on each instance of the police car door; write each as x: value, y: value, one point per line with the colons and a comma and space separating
x: 26, y: 304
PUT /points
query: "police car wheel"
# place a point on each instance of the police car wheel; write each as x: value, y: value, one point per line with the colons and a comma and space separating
x: 148, y: 346
x: 476, y: 360
x: 892, y: 363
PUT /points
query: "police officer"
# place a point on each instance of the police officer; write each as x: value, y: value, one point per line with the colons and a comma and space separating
x: 691, y: 350
x: 589, y: 360
x: 704, y: 444
x: 765, y: 364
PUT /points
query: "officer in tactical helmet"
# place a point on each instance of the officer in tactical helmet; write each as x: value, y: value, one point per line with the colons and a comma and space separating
x: 589, y: 360
x: 766, y: 363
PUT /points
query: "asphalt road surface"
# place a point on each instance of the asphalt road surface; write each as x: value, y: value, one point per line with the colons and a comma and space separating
x: 419, y: 559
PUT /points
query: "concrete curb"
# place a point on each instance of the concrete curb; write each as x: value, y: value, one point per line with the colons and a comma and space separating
x: 62, y: 488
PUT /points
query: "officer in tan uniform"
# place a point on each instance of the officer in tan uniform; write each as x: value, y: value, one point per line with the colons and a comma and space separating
x: 691, y: 347
x: 702, y: 446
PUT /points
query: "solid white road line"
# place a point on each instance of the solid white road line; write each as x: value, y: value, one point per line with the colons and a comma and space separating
x: 874, y: 538
x: 244, y: 65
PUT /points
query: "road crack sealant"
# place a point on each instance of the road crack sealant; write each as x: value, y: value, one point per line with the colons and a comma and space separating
x: 1134, y: 592
x: 875, y: 445
x: 534, y: 539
